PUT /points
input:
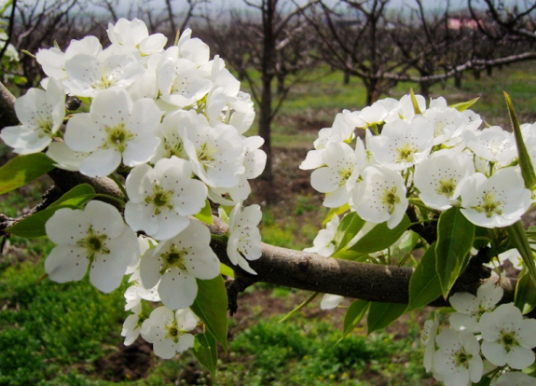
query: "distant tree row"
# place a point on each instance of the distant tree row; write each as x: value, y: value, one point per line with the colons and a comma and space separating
x: 274, y: 44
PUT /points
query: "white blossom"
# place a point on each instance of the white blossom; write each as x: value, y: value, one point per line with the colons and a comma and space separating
x: 323, y: 242
x: 495, y: 202
x: 458, y: 358
x: 136, y: 35
x: 514, y: 378
x: 330, y: 301
x: 438, y: 177
x: 96, y: 236
x: 244, y: 238
x: 176, y: 263
x: 115, y: 129
x: 162, y: 198
x: 428, y: 338
x: 470, y: 308
x: 380, y: 196
x: 132, y: 326
x: 168, y: 331
x: 507, y: 337
x: 41, y: 114
x: 493, y: 144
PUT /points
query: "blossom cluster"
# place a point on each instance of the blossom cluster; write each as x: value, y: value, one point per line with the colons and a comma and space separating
x: 431, y: 155
x: 172, y: 121
x: 483, y: 338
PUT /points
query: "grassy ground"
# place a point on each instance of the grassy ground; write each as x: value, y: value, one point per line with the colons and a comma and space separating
x: 69, y: 334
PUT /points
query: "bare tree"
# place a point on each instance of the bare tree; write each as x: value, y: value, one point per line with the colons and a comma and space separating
x: 276, y: 47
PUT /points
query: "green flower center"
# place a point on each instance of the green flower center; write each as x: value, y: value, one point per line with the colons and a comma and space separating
x: 174, y: 257
x: 160, y: 199
x: 174, y: 149
x: 118, y: 137
x: 205, y: 154
x: 405, y: 153
x: 345, y: 175
x: 94, y: 243
x: 173, y: 332
x: 390, y: 199
x: 446, y: 187
x: 508, y: 340
x: 489, y: 206
x: 462, y: 358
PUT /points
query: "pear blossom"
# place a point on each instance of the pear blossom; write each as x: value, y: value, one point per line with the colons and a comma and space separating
x: 162, y: 198
x: 132, y: 325
x: 96, y: 236
x: 216, y: 153
x: 404, y: 109
x: 448, y: 122
x: 193, y: 49
x: 428, y: 338
x: 493, y: 144
x: 507, y: 337
x: 64, y: 157
x: 176, y: 263
x: 402, y: 144
x: 495, y: 202
x: 244, y: 238
x: 470, y: 308
x: 115, y: 129
x: 338, y: 178
x: 52, y: 60
x: 458, y: 359
x: 180, y: 82
x: 88, y: 74
x: 380, y: 196
x: 41, y: 114
x: 438, y: 177
x: 323, y: 242
x: 134, y: 33
x: 514, y: 378
x: 330, y: 301
x: 168, y: 331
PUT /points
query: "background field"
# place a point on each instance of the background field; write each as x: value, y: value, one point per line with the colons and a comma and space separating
x: 69, y: 334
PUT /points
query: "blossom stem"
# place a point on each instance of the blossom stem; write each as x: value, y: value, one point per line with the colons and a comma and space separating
x: 108, y: 197
x: 119, y: 185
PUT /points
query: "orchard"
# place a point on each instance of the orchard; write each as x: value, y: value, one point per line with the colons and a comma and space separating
x: 149, y: 150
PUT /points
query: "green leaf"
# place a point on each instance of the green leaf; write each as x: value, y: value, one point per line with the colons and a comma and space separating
x: 206, y: 214
x: 225, y: 270
x: 462, y: 106
x: 519, y: 239
x: 525, y: 295
x: 210, y: 306
x: 527, y: 170
x: 484, y: 381
x: 350, y: 225
x: 415, y: 103
x: 346, y: 254
x: 34, y: 225
x: 335, y: 211
x: 300, y: 306
x: 383, y: 314
x: 353, y: 316
x: 77, y: 196
x: 205, y: 351
x: 23, y: 169
x: 424, y: 285
x: 380, y: 237
x: 455, y: 235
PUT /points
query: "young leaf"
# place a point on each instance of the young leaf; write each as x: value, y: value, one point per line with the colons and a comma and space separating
x: 77, y: 196
x: 462, y: 106
x: 525, y: 295
x: 415, y: 103
x: 383, y: 314
x: 225, y: 270
x: 519, y: 239
x: 349, y: 226
x: 455, y: 236
x: 205, y: 351
x: 23, y: 169
x: 527, y: 169
x: 380, y: 237
x: 353, y: 316
x: 424, y: 285
x: 210, y: 306
x: 206, y: 214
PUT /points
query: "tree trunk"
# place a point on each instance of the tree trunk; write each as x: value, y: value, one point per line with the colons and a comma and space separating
x: 265, y: 121
x: 280, y: 84
x: 458, y: 80
x: 346, y: 79
x: 476, y: 74
x: 489, y: 70
x: 425, y: 89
